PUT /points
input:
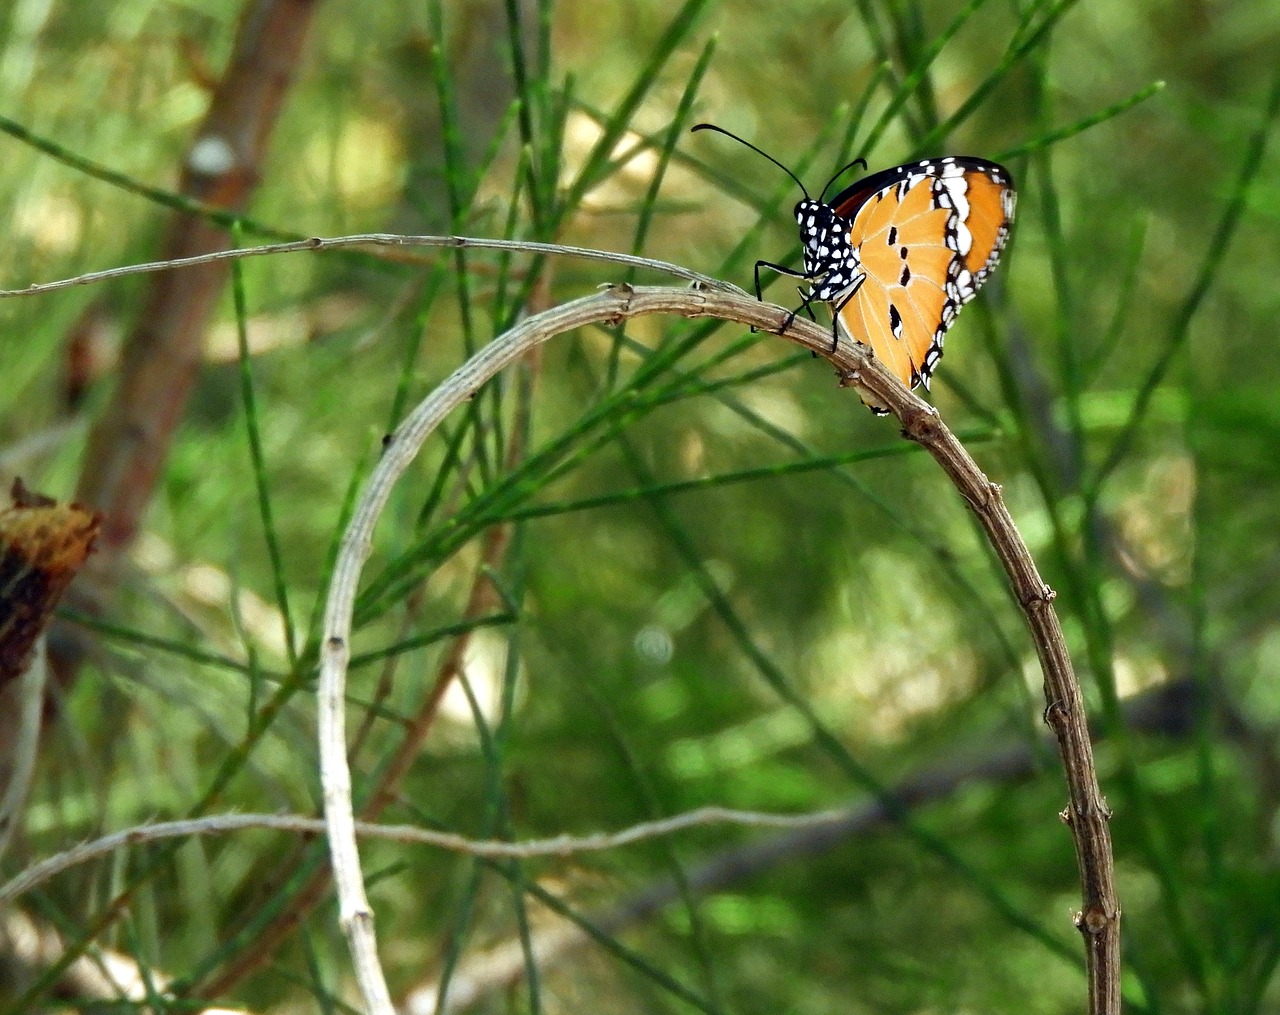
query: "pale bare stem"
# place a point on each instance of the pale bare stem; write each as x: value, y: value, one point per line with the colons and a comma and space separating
x: 22, y: 762
x: 1086, y: 814
x: 375, y: 241
x: 355, y: 912
x: 492, y: 849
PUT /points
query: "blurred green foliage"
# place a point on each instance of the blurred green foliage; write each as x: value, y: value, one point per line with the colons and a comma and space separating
x: 786, y: 643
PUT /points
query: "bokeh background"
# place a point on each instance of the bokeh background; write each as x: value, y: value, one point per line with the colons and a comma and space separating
x: 672, y: 564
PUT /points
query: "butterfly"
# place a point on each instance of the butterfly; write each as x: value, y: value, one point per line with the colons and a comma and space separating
x: 899, y: 252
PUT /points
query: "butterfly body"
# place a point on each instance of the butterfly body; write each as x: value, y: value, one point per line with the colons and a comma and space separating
x: 831, y: 262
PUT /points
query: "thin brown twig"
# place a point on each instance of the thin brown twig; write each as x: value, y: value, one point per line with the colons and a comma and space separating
x: 1086, y: 815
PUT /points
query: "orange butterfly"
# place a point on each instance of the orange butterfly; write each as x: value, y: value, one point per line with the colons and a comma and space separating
x: 897, y: 254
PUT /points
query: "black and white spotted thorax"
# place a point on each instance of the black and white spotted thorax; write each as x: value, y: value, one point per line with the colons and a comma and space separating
x: 831, y: 261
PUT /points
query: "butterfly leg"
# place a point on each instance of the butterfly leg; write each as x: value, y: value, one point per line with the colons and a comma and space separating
x: 838, y: 308
x: 781, y: 270
x: 806, y: 304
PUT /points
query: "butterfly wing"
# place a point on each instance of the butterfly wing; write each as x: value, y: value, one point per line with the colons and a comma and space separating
x: 927, y: 235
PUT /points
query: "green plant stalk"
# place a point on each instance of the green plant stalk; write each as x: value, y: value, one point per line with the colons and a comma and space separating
x: 258, y: 459
x: 1215, y: 255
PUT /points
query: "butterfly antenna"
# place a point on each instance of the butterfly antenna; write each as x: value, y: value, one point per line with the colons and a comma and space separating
x: 721, y: 130
x: 855, y: 162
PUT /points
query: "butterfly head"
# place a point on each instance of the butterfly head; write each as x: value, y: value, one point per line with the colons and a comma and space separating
x: 830, y: 259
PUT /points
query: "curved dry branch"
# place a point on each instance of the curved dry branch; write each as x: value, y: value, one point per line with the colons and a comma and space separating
x: 304, y: 826
x: 1086, y: 815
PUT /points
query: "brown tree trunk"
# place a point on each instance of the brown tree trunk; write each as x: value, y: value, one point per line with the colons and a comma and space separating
x: 128, y: 447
